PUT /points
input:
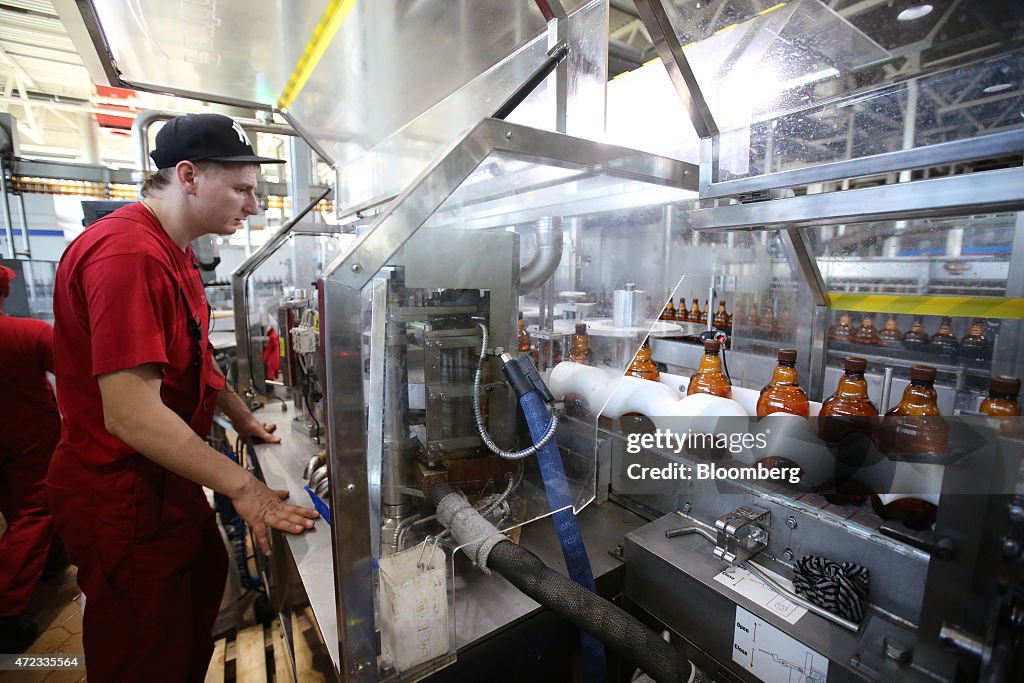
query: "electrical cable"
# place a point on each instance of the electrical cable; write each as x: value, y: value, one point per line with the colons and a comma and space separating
x: 479, y: 417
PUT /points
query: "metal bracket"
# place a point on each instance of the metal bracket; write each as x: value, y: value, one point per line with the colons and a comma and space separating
x: 742, y: 534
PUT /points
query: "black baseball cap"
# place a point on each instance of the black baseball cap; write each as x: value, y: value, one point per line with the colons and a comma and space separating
x: 204, y: 137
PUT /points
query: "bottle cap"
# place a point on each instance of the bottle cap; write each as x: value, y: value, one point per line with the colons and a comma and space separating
x: 787, y: 355
x: 922, y: 373
x: 1004, y: 385
x: 581, y: 328
x: 854, y: 364
x: 711, y: 346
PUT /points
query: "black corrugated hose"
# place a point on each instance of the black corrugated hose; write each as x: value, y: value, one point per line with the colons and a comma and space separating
x: 620, y: 631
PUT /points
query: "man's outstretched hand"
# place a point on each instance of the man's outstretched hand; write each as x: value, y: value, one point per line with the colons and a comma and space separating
x: 262, y: 508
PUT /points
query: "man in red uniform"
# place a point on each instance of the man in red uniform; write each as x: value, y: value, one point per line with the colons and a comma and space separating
x: 30, y: 429
x: 138, y: 389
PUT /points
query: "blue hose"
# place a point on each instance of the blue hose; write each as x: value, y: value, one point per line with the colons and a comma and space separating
x: 569, y: 536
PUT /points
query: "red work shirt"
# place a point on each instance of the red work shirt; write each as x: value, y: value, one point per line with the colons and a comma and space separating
x: 26, y: 355
x: 125, y: 294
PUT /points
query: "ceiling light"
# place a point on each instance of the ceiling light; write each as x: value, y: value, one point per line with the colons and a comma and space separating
x: 915, y: 12
x: 999, y: 87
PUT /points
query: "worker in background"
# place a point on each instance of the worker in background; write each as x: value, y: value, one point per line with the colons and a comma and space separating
x: 29, y: 431
x: 138, y: 388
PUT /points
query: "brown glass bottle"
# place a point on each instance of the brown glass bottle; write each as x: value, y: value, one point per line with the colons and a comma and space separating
x: 709, y: 378
x: 843, y: 330
x: 642, y: 365
x: 916, y: 338
x: 850, y: 408
x: 976, y: 346
x: 524, y: 336
x: 669, y: 312
x: 783, y: 394
x: 753, y: 318
x: 722, y: 318
x: 580, y: 351
x: 944, y: 339
x: 1002, y: 403
x: 695, y: 316
x: 681, y: 314
x: 890, y: 334
x: 867, y: 333
x: 915, y: 424
x: 769, y: 323
x: 706, y: 312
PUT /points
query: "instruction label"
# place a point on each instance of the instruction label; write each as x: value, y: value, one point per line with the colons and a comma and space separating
x: 771, y: 655
x: 760, y: 593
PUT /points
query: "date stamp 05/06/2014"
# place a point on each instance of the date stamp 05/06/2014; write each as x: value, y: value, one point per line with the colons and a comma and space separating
x: 41, y: 662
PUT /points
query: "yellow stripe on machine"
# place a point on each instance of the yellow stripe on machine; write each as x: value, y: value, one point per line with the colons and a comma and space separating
x: 956, y: 306
x: 323, y: 34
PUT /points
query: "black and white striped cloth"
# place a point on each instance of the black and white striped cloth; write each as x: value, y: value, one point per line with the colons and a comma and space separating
x: 839, y: 588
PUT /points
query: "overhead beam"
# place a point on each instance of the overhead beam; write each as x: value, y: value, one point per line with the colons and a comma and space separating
x: 22, y: 74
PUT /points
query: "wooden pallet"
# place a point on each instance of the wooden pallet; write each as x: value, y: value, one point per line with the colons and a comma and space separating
x: 259, y: 654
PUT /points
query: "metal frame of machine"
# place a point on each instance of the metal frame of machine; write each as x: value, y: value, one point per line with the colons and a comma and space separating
x: 340, y: 319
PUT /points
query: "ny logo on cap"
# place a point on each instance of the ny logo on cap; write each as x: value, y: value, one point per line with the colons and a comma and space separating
x: 242, y: 137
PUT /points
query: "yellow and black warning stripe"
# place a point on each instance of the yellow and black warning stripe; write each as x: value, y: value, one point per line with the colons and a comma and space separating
x: 954, y: 306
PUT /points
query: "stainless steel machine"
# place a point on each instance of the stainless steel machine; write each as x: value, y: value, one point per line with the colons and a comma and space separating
x: 831, y: 165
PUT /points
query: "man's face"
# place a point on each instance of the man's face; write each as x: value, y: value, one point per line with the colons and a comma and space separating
x: 225, y: 196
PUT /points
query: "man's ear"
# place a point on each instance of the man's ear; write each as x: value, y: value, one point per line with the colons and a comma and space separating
x: 186, y: 172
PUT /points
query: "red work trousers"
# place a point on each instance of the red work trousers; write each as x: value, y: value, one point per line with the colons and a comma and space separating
x: 151, y: 563
x: 23, y: 547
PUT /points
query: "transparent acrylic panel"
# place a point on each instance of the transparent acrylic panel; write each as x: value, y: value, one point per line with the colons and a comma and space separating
x: 969, y: 101
x: 242, y: 50
x: 795, y: 54
x: 749, y: 61
x: 960, y: 256
x: 505, y: 190
x: 382, y: 161
x: 934, y: 291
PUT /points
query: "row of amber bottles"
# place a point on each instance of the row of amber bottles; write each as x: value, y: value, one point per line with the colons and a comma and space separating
x: 975, y: 342
x: 721, y: 319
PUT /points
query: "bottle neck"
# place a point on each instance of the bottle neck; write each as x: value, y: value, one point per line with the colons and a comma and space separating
x: 785, y: 373
x: 710, y: 362
x: 852, y: 385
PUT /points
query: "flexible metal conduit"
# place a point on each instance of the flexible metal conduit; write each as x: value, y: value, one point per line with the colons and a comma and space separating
x: 546, y: 258
x: 620, y: 631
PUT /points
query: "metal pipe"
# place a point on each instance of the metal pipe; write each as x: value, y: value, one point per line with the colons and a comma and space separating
x: 5, y: 209
x: 555, y: 57
x: 711, y: 303
x: 26, y: 249
x: 395, y: 471
x: 546, y: 258
x: 956, y: 637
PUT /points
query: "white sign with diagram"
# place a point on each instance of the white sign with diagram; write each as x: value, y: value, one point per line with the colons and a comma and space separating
x: 773, y: 656
x: 753, y: 588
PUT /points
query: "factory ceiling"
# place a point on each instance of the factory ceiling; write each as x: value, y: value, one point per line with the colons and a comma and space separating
x: 46, y: 85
